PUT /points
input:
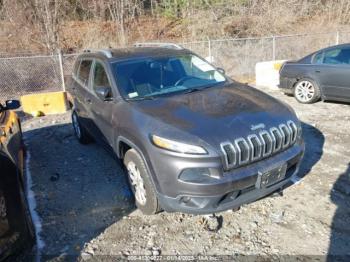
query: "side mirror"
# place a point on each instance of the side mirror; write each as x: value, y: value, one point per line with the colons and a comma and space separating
x: 12, y: 104
x: 104, y: 92
x: 221, y: 70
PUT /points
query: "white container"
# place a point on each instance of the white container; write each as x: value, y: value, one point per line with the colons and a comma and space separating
x: 267, y: 73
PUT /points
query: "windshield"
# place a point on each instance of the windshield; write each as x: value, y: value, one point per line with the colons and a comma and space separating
x: 150, y: 77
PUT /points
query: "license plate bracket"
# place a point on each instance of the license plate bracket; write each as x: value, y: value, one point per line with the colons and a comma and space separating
x: 271, y: 176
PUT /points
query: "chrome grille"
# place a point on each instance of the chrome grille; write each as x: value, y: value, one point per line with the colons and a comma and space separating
x: 245, y: 150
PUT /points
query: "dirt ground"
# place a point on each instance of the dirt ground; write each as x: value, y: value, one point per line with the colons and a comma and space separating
x: 87, y: 210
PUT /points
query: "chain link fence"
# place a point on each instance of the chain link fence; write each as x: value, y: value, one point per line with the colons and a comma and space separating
x: 239, y: 56
x: 26, y: 74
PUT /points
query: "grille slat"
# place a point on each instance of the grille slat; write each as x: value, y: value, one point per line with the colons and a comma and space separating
x: 243, y: 151
x: 278, y: 139
x: 230, y: 153
x: 267, y: 143
x: 255, y: 147
x: 286, y: 135
x: 293, y: 130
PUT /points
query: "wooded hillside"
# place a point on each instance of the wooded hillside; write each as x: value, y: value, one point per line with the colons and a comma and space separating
x: 47, y: 25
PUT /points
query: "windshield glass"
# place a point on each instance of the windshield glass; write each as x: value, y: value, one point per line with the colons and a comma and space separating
x: 150, y: 77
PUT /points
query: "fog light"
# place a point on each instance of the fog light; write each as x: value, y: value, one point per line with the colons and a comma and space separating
x: 185, y: 199
x: 198, y: 175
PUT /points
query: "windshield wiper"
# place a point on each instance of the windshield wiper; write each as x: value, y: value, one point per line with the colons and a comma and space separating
x: 195, y: 89
x: 141, y: 98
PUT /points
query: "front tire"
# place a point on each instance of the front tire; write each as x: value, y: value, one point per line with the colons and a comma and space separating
x: 306, y: 91
x: 141, y: 184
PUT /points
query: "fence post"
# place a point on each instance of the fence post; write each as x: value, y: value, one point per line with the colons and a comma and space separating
x: 209, y: 48
x: 337, y: 38
x: 60, y: 60
x: 273, y: 48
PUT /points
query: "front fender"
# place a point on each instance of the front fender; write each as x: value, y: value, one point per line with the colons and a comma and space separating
x: 143, y: 153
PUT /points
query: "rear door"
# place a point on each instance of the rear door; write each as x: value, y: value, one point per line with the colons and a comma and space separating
x: 333, y: 73
x: 81, y: 89
x: 101, y: 110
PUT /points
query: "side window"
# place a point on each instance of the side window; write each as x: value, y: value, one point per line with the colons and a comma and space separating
x: 100, y: 76
x: 76, y: 68
x: 84, y: 71
x: 333, y: 57
x: 318, y: 58
x: 344, y: 56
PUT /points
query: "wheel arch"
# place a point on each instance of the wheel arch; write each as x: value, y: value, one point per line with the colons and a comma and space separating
x: 123, y: 144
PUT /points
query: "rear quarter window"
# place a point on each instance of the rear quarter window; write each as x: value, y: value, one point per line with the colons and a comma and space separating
x: 84, y: 71
x: 318, y: 58
x: 76, y: 68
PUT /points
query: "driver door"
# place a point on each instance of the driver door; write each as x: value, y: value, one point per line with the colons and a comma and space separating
x: 102, y: 110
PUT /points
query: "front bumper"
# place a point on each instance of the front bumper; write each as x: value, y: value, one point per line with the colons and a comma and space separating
x: 238, y: 186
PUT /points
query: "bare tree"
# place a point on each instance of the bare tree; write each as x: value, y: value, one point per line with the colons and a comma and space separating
x: 123, y: 12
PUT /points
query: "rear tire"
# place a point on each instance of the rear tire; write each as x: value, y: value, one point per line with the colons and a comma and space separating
x: 14, y: 205
x: 140, y: 182
x: 80, y: 132
x: 306, y: 91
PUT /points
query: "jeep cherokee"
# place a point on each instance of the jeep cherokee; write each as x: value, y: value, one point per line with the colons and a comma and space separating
x: 192, y: 139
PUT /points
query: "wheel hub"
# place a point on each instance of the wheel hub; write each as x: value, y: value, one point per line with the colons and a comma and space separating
x: 137, y: 183
x: 305, y: 91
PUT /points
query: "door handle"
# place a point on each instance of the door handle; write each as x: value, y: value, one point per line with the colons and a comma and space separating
x: 318, y: 71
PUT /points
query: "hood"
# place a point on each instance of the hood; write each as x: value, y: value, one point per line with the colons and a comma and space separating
x: 217, y: 114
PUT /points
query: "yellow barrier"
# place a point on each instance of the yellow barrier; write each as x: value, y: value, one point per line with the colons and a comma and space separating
x: 45, y: 103
x: 277, y: 66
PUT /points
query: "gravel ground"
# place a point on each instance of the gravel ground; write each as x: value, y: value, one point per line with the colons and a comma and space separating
x: 87, y: 209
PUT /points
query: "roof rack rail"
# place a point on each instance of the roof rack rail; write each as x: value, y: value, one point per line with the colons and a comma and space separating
x: 105, y: 52
x: 157, y: 44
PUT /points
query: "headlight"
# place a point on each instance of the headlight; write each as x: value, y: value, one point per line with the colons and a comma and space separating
x: 177, y: 146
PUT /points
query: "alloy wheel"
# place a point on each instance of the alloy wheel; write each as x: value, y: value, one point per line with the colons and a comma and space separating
x: 137, y: 183
x: 305, y: 91
x: 76, y: 125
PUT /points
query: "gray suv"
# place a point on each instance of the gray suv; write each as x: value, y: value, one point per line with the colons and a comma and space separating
x: 191, y: 139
